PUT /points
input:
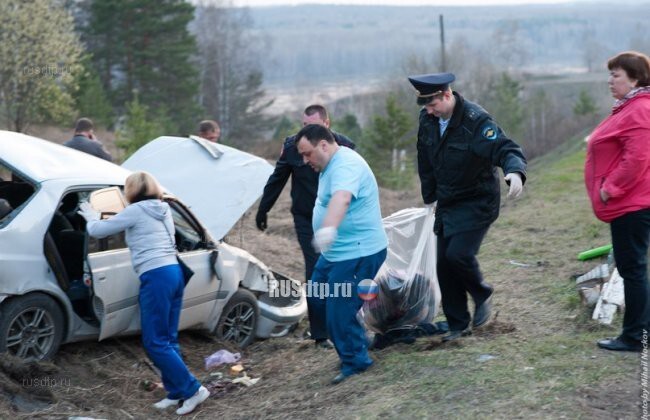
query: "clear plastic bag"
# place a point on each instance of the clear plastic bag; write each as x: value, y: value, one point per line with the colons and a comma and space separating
x: 221, y: 357
x: 408, y: 292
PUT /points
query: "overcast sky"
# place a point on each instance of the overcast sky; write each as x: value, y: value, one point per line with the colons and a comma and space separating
x: 393, y: 2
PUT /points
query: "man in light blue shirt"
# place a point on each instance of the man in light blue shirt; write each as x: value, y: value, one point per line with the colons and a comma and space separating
x: 350, y: 237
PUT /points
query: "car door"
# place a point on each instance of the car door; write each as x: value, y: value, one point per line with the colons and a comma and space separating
x: 116, y: 285
x: 203, y: 294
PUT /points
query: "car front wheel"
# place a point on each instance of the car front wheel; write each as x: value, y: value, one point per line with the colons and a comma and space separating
x: 238, y: 320
x: 31, y: 327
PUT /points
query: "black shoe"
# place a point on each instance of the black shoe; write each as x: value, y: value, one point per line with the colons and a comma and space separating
x: 323, y: 343
x: 482, y: 313
x: 455, y: 334
x: 338, y: 379
x: 617, y: 344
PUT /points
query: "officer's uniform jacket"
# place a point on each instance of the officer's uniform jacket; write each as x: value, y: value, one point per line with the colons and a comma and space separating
x: 304, y: 180
x: 459, y: 169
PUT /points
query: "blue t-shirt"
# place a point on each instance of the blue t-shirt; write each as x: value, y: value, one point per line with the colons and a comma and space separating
x: 361, y: 232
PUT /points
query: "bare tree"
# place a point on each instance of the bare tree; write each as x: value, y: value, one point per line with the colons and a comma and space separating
x: 230, y: 71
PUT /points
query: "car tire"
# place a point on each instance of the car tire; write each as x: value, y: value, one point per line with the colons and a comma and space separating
x: 238, y: 321
x: 31, y: 327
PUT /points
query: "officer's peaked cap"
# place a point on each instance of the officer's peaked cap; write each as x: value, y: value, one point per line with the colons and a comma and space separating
x: 428, y: 85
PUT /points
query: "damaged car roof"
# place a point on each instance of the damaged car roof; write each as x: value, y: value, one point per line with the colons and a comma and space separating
x: 41, y: 160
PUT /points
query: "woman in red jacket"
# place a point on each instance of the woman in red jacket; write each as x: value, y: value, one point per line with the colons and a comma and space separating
x: 617, y: 176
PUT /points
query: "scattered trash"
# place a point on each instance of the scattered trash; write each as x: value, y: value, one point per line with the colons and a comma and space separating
x: 236, y: 370
x: 589, y: 285
x: 246, y: 380
x: 485, y: 358
x: 528, y: 368
x: 220, y: 387
x: 610, y: 300
x: 218, y: 375
x: 149, y: 386
x: 518, y: 264
x: 221, y: 357
x: 593, y: 253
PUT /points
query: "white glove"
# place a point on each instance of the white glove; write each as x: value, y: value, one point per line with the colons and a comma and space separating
x: 516, y: 186
x: 87, y: 211
x: 431, y: 207
x: 324, y: 238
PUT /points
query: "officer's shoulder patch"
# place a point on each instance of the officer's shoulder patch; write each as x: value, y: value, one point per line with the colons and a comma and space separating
x: 489, y: 131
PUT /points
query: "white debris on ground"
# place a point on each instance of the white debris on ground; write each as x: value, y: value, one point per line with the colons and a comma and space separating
x: 611, y: 299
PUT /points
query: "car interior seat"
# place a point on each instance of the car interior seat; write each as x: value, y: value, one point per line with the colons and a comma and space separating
x: 5, y: 208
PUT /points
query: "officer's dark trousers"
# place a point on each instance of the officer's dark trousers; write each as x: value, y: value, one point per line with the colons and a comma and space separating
x: 316, y: 313
x: 459, y: 274
x: 630, y: 239
x: 345, y: 331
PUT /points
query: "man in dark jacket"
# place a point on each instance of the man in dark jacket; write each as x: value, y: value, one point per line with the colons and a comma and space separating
x: 459, y: 148
x: 304, y: 186
x: 84, y: 140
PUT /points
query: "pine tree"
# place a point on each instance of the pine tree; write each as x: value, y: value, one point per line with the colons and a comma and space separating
x: 145, y: 45
x: 91, y: 99
x: 388, y: 145
x: 585, y: 105
x: 506, y: 106
x: 348, y: 126
x: 139, y: 127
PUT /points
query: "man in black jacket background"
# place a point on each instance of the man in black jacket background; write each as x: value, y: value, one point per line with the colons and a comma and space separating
x: 304, y: 188
x: 459, y: 148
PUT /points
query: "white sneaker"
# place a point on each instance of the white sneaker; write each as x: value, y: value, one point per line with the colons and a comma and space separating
x: 166, y: 403
x: 191, y: 403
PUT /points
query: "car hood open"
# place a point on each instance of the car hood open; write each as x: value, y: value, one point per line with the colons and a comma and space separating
x: 219, y: 183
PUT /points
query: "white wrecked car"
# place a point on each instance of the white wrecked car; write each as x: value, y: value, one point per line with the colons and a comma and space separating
x: 58, y: 285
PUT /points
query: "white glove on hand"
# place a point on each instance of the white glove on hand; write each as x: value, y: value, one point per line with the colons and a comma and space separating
x: 431, y: 207
x: 516, y: 186
x: 324, y: 238
x: 87, y: 212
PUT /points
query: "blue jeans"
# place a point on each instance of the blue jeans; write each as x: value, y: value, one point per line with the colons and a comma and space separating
x: 340, y: 312
x: 161, y: 300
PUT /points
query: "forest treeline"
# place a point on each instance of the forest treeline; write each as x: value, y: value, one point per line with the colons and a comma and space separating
x: 145, y: 68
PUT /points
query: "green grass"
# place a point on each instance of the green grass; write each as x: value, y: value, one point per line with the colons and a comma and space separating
x: 543, y: 368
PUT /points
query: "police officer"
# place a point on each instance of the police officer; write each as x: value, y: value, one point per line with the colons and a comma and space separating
x: 304, y: 186
x: 459, y: 147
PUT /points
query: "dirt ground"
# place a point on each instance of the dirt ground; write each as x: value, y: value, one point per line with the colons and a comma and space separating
x: 537, y: 360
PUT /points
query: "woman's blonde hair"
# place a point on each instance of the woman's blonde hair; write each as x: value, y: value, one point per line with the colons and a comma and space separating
x: 141, y: 186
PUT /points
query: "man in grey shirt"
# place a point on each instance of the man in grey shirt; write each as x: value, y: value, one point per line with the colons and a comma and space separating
x: 84, y: 140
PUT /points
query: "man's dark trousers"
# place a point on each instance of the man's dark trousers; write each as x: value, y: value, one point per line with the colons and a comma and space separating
x: 459, y: 274
x: 630, y: 237
x: 316, y: 312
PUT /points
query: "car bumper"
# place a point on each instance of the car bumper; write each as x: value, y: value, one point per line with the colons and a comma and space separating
x: 279, y: 313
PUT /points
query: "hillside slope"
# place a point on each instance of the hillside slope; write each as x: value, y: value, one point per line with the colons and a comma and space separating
x: 537, y: 360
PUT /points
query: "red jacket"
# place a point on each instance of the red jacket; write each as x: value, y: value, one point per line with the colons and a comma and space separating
x: 618, y: 160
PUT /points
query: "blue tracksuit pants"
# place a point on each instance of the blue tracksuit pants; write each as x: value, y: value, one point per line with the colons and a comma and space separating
x: 340, y: 312
x: 161, y: 300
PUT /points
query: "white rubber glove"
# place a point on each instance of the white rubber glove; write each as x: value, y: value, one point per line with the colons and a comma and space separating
x: 324, y: 238
x: 516, y: 186
x: 431, y: 207
x: 87, y: 211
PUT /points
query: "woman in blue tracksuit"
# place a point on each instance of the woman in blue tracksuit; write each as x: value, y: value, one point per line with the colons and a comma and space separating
x: 149, y: 229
